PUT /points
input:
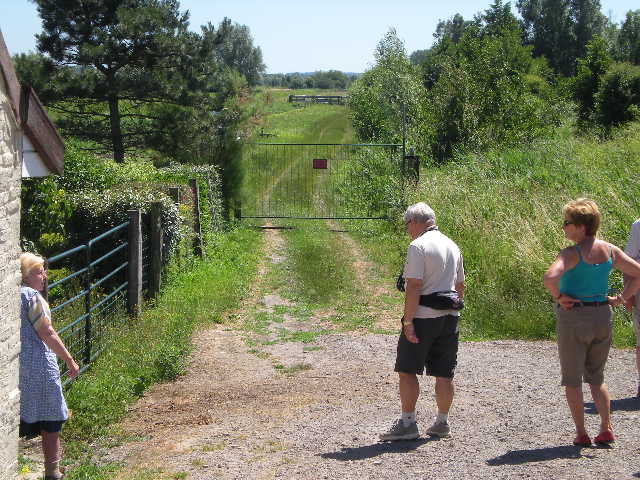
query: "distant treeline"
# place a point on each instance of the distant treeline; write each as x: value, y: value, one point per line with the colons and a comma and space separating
x: 558, y: 30
x: 330, y: 80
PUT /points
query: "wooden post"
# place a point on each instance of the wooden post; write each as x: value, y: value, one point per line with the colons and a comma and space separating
x: 134, y: 293
x: 174, y: 193
x: 197, y: 228
x: 155, y: 275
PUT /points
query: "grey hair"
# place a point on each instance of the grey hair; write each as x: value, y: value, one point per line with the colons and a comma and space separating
x: 420, y: 213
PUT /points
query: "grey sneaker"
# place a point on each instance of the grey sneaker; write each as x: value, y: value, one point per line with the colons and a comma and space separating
x: 399, y: 432
x: 440, y: 429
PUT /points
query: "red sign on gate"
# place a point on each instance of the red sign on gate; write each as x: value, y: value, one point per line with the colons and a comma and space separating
x: 320, y: 163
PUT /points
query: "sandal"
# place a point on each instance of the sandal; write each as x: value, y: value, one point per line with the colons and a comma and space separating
x: 582, y: 441
x: 605, y: 438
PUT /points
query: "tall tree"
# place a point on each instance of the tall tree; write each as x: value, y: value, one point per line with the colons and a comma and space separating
x: 587, y: 21
x: 629, y: 38
x: 498, y: 18
x: 127, y: 54
x: 233, y: 46
x: 561, y: 29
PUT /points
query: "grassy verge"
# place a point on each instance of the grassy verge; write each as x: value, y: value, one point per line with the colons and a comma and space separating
x: 155, y: 347
x: 504, y: 210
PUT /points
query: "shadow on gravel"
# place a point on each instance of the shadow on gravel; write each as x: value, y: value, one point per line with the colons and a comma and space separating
x: 375, y: 449
x: 630, y: 404
x: 518, y: 457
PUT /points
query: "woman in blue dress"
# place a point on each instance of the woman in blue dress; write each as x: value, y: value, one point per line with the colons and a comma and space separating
x: 43, y: 409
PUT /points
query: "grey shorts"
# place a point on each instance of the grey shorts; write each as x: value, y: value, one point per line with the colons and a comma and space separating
x: 437, y: 350
x: 584, y: 339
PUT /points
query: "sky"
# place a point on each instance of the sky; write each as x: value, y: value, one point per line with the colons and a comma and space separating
x: 299, y: 36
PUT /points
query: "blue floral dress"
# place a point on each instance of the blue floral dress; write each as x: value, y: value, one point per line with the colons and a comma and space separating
x: 41, y: 398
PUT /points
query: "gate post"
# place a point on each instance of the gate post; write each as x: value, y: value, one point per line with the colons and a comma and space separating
x: 412, y: 166
x: 134, y: 290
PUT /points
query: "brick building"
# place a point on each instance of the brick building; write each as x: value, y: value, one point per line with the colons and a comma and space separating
x: 29, y: 146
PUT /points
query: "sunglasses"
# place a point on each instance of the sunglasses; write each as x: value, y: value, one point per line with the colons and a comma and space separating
x: 567, y: 222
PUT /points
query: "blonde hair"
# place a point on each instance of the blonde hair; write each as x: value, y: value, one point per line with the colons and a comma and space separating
x: 29, y: 261
x: 583, y: 211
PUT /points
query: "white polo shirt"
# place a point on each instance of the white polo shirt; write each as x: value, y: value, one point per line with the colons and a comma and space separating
x: 436, y: 260
x: 633, y: 250
x: 633, y: 244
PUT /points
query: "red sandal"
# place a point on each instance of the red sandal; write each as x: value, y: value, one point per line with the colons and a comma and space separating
x: 605, y: 438
x: 582, y: 441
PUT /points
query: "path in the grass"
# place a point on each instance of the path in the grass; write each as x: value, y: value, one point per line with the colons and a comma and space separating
x: 235, y: 416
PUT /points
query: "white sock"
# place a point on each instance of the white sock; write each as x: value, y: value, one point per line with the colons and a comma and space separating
x: 442, y: 417
x: 408, y: 418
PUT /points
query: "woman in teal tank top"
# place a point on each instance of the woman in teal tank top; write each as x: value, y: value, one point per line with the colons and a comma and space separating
x: 578, y: 280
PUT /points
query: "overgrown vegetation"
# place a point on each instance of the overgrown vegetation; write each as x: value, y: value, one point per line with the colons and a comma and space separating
x: 503, y: 208
x: 499, y: 81
x: 94, y: 195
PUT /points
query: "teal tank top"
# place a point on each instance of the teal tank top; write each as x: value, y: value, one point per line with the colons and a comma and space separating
x: 587, y: 282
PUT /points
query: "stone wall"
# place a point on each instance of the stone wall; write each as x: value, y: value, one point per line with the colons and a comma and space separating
x: 10, y: 179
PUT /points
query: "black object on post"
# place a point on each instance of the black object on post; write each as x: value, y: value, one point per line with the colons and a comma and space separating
x: 412, y: 166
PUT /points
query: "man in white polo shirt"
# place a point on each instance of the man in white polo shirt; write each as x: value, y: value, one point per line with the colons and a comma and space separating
x: 429, y: 336
x: 633, y: 250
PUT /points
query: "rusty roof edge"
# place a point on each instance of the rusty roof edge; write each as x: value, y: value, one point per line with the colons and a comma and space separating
x: 10, y: 78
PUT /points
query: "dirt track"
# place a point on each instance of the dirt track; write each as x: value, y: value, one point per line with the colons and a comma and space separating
x: 235, y: 416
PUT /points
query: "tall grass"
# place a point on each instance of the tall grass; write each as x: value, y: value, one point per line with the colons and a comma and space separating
x: 504, y: 210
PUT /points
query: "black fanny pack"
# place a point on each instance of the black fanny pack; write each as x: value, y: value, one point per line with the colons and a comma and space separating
x: 449, y: 300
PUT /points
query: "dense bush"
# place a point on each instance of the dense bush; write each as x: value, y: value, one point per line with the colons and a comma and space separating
x: 209, y: 183
x: 94, y: 193
x: 483, y: 91
x: 382, y: 193
x: 618, y: 99
x: 591, y: 69
x: 385, y: 95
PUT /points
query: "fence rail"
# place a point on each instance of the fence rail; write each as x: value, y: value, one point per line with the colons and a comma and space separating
x: 103, y: 281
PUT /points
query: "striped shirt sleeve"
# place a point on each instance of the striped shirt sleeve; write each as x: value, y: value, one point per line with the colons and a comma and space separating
x: 38, y: 311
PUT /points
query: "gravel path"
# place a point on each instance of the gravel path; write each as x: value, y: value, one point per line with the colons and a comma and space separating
x: 233, y: 416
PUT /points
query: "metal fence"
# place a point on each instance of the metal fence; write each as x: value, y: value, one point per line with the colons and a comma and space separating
x: 306, y: 180
x: 104, y: 281
x: 87, y: 315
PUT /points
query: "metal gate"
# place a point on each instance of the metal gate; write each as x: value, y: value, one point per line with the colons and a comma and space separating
x: 309, y: 181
